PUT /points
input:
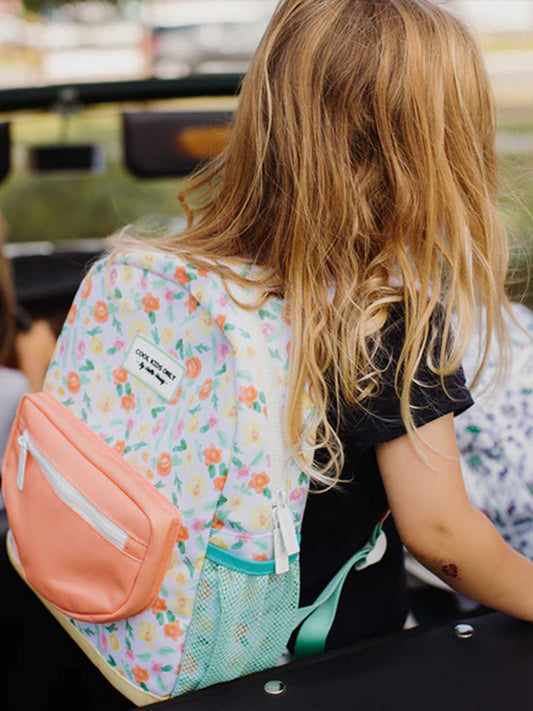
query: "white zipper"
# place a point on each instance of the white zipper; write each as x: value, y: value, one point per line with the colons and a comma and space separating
x: 284, y: 534
x: 68, y: 493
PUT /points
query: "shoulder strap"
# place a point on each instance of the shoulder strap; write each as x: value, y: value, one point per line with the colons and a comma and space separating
x: 318, y: 618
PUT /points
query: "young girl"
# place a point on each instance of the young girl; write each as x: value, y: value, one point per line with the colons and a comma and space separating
x: 360, y: 176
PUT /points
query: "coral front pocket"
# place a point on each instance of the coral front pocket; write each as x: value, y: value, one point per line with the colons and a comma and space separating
x: 91, y: 535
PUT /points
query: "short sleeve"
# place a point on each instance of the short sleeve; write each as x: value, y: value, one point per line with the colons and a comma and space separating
x: 378, y: 419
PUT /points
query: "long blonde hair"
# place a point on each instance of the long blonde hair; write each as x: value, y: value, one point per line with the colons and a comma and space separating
x: 360, y: 172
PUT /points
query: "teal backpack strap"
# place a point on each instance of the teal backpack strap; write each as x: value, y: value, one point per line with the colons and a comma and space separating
x: 317, y: 619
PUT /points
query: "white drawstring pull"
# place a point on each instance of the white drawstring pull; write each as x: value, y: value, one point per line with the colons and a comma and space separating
x: 23, y: 453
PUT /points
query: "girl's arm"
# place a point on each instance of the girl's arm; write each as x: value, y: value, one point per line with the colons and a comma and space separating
x: 440, y: 527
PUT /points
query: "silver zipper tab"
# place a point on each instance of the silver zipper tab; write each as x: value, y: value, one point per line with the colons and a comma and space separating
x: 23, y: 453
x: 69, y: 494
x: 286, y: 524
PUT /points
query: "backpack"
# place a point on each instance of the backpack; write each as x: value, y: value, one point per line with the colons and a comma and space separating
x: 495, y: 438
x: 152, y: 503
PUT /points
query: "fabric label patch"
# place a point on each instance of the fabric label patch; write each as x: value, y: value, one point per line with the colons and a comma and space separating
x: 155, y: 368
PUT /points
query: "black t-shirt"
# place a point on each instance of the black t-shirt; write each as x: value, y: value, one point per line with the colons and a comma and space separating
x: 338, y: 522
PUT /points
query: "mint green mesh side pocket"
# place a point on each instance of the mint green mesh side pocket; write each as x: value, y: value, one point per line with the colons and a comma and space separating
x: 241, y: 624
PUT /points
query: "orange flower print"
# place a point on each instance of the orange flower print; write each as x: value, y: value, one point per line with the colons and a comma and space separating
x: 71, y: 316
x: 164, y: 464
x: 183, y: 533
x: 120, y: 375
x: 159, y: 605
x: 173, y: 630
x: 127, y: 402
x: 212, y: 455
x: 176, y: 397
x: 247, y: 395
x: 140, y: 674
x: 259, y: 481
x: 191, y: 304
x: 259, y: 556
x: 150, y: 303
x: 193, y: 366
x: 221, y: 320
x: 205, y: 390
x: 119, y: 446
x: 73, y: 382
x: 217, y: 523
x: 86, y: 289
x: 218, y: 483
x: 181, y: 276
x: 201, y: 272
x: 100, y: 313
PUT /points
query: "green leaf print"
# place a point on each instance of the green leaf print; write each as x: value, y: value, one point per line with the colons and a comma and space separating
x: 88, y: 365
x: 151, y: 316
x: 190, y: 566
x: 179, y: 347
x: 111, y: 661
x: 166, y: 650
x: 222, y: 439
x: 256, y: 406
x: 94, y: 331
x: 258, y: 459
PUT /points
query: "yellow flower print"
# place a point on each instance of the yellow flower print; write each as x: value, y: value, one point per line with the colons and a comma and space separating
x: 146, y: 259
x: 96, y: 379
x: 199, y: 562
x: 143, y: 431
x: 196, y: 486
x: 181, y: 604
x: 260, y: 517
x: 126, y: 274
x: 219, y: 543
x: 192, y: 424
x: 137, y: 327
x: 252, y: 432
x: 147, y: 632
x: 114, y: 642
x: 96, y: 346
x: 205, y: 324
x: 105, y: 403
x: 181, y: 578
x: 235, y: 503
x: 167, y: 336
x: 251, y: 352
x: 188, y: 461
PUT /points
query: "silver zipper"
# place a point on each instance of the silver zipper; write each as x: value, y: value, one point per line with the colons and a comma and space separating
x: 68, y: 493
x: 285, y: 539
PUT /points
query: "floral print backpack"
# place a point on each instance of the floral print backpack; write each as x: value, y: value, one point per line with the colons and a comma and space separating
x: 495, y: 439
x: 152, y: 503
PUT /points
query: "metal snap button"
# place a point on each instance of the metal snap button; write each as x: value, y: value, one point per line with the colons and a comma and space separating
x: 463, y: 630
x: 274, y: 687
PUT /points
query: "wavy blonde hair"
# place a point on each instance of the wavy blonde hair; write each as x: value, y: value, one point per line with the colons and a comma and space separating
x: 360, y: 172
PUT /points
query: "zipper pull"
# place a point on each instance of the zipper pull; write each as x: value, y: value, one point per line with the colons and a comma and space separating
x: 286, y: 524
x: 23, y: 452
x: 280, y: 553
